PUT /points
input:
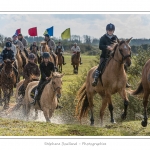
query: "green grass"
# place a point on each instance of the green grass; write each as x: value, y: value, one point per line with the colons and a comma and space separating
x: 22, y: 128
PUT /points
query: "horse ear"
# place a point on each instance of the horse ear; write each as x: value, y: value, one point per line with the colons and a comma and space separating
x: 5, y: 61
x: 128, y: 41
x: 118, y: 41
x: 62, y: 75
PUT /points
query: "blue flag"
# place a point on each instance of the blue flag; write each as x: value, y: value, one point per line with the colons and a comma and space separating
x: 49, y: 31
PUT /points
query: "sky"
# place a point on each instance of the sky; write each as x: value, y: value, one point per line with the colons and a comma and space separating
x: 127, y: 25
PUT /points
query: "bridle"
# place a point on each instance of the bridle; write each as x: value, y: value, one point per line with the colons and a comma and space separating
x: 123, y: 57
x: 55, y: 89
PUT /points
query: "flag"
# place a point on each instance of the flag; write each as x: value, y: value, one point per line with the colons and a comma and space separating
x: 33, y: 31
x: 18, y: 31
x: 49, y: 31
x: 66, y: 34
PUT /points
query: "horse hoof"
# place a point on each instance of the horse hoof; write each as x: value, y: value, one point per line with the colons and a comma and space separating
x: 1, y: 104
x: 6, y: 107
x: 113, y: 121
x: 92, y: 124
x: 123, y: 116
x: 144, y: 123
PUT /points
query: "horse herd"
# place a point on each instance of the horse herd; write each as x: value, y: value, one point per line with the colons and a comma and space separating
x: 114, y: 81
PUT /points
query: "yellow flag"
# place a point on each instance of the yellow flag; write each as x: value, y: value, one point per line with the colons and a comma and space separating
x: 45, y: 32
x: 66, y: 34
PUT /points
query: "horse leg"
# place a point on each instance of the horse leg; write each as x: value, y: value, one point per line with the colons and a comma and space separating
x: 90, y: 100
x: 1, y: 97
x: 110, y: 107
x: 126, y: 103
x: 46, y: 114
x: 145, y: 102
x: 36, y: 114
x: 104, y: 104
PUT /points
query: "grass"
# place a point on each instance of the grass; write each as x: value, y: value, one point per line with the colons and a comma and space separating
x: 22, y: 128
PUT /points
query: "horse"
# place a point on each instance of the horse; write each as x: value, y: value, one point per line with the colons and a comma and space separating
x: 45, y: 48
x: 114, y: 81
x: 60, y: 60
x: 18, y: 94
x: 76, y: 62
x: 48, y: 100
x: 144, y: 89
x: 20, y: 63
x: 34, y: 51
x: 7, y: 82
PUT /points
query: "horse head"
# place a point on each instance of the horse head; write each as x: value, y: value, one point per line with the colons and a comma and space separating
x: 57, y: 83
x: 8, y: 68
x: 123, y: 51
x: 33, y: 78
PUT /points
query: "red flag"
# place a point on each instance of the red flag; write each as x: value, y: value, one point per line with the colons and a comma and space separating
x: 33, y: 31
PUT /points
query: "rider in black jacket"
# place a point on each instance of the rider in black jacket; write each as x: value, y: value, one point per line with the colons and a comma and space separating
x: 105, y: 41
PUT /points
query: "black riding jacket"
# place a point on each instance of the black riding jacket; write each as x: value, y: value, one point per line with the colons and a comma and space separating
x: 104, y: 42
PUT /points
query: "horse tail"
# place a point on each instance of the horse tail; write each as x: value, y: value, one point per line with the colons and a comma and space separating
x: 83, y: 104
x: 139, y: 90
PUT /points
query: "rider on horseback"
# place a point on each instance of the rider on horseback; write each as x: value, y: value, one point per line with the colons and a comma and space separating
x: 34, y: 45
x: 75, y: 49
x: 30, y: 69
x: 24, y: 42
x: 7, y: 53
x: 51, y: 45
x: 46, y: 68
x: 105, y: 41
x: 60, y: 47
x: 20, y: 46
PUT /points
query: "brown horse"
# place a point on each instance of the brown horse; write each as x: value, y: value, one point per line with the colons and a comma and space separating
x: 7, y: 81
x: 48, y: 100
x: 60, y: 60
x: 76, y: 62
x: 144, y: 88
x: 114, y: 81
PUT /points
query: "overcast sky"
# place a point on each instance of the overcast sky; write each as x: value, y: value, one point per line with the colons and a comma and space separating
x: 136, y: 26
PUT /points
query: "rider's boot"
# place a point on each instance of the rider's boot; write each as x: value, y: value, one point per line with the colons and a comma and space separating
x: 96, y: 76
x: 35, y: 97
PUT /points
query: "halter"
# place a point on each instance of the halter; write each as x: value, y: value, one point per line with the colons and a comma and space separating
x: 123, y: 57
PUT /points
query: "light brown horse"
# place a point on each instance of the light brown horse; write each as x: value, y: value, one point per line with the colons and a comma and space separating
x: 7, y: 81
x: 60, y: 60
x: 20, y: 63
x: 114, y: 81
x: 76, y: 62
x: 144, y: 88
x: 18, y: 96
x: 45, y: 48
x: 48, y: 100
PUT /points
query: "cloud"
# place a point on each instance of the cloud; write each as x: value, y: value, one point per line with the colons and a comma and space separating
x: 127, y: 25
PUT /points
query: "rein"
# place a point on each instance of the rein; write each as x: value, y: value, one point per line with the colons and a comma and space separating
x: 55, y: 89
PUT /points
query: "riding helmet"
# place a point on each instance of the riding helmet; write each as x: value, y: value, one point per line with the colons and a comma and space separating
x: 46, y: 55
x: 8, y: 44
x: 110, y: 27
x: 14, y: 35
x: 31, y: 56
x: 46, y: 35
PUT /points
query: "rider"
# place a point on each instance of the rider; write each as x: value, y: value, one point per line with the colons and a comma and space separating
x: 51, y: 45
x: 33, y: 46
x: 30, y: 69
x: 46, y: 68
x: 24, y: 42
x: 13, y: 48
x: 20, y: 46
x: 60, y: 47
x: 7, y: 53
x: 105, y: 41
x: 75, y: 49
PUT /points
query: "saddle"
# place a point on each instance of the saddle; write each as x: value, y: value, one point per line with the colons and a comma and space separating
x: 102, y: 68
x: 41, y: 88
